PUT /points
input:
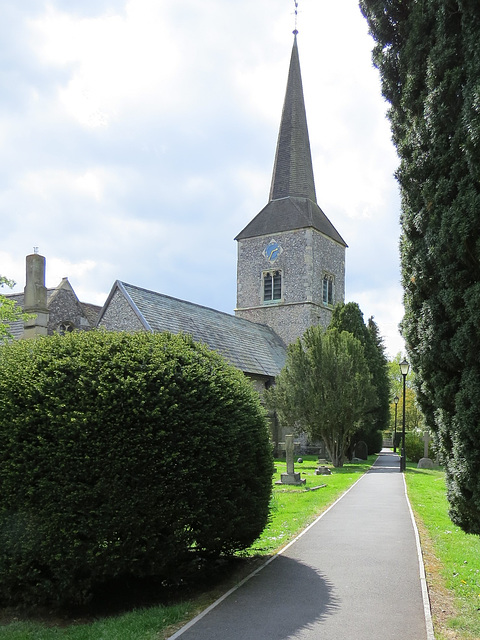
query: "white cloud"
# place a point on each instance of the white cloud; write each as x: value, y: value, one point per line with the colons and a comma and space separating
x: 138, y: 138
x: 115, y: 61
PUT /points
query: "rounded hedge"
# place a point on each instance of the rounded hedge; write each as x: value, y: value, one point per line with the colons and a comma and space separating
x: 123, y: 454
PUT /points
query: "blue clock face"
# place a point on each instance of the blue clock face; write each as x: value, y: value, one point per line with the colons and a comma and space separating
x: 272, y: 251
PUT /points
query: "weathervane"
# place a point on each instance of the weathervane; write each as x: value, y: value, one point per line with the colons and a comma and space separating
x: 296, y: 16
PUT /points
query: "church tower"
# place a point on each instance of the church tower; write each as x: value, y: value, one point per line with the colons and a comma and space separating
x: 291, y: 259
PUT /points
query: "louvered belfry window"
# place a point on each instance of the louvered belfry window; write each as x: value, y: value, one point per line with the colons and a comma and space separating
x: 272, y: 286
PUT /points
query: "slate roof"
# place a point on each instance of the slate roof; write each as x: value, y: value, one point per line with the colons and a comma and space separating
x: 91, y: 312
x: 293, y: 169
x: 293, y: 201
x: 252, y: 348
x: 287, y: 214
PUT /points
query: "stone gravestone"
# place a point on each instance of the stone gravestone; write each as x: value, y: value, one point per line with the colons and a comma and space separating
x: 322, y: 470
x: 291, y: 477
x: 425, y: 462
x: 361, y: 450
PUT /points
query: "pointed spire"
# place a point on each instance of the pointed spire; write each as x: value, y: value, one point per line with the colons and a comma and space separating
x: 293, y: 201
x: 293, y: 169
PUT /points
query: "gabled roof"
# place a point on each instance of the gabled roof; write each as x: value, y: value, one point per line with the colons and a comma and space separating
x: 252, y: 348
x: 293, y: 202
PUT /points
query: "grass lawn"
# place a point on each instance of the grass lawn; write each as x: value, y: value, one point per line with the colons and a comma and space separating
x: 452, y: 558
x: 292, y: 509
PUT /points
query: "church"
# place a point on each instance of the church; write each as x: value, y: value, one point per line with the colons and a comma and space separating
x: 290, y: 272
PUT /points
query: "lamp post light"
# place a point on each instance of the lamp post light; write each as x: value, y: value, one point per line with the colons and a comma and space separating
x: 396, y: 399
x: 404, y: 367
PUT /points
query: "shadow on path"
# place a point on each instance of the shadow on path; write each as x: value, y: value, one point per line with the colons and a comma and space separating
x: 284, y: 598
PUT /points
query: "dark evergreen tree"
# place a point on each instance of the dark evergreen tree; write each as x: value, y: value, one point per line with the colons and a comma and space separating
x: 349, y: 317
x: 123, y: 455
x: 324, y: 388
x: 379, y: 368
x: 429, y: 60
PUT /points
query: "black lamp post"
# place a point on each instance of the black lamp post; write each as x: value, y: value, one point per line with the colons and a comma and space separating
x: 396, y: 398
x: 404, y: 367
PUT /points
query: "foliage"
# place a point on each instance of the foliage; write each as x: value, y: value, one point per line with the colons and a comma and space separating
x: 429, y: 60
x: 373, y: 440
x: 292, y: 510
x: 413, y: 415
x: 112, y: 461
x: 396, y: 378
x: 324, y: 389
x: 348, y: 317
x: 9, y: 310
x: 415, y: 446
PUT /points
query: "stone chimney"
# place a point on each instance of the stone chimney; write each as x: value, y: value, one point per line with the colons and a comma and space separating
x: 35, y: 300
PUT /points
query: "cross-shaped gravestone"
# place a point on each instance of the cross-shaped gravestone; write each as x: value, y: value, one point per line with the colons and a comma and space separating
x: 291, y: 477
x: 425, y: 462
x: 426, y: 440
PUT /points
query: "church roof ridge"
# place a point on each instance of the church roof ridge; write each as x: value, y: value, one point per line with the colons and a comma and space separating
x: 251, y: 347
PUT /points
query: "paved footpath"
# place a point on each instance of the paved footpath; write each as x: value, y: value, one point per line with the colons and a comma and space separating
x: 355, y: 573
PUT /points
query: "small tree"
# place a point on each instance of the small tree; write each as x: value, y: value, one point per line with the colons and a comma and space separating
x: 325, y: 388
x: 10, y: 311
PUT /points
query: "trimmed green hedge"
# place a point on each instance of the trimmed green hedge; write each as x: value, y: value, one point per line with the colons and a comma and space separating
x: 123, y: 455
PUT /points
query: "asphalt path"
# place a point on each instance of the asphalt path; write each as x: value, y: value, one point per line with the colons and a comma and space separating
x: 355, y: 573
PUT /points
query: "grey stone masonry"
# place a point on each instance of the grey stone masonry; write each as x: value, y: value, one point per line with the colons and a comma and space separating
x: 305, y: 257
x: 119, y: 315
x: 35, y: 297
x: 291, y: 259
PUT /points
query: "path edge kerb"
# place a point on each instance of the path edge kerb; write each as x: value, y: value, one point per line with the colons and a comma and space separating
x: 203, y: 613
x: 421, y: 567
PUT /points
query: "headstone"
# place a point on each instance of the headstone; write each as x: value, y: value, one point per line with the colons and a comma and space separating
x: 322, y: 471
x: 425, y: 462
x: 291, y: 477
x: 426, y: 442
x: 361, y: 450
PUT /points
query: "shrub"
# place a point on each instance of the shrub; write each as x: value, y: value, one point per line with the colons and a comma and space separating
x: 123, y: 455
x: 375, y: 442
x: 372, y: 438
x: 415, y: 446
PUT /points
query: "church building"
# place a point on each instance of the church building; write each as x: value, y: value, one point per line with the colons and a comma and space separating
x: 290, y: 272
x: 291, y: 259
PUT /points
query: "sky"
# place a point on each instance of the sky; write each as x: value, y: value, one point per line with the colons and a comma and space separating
x: 137, y: 139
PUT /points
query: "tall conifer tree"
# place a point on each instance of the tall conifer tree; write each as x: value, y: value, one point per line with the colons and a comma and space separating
x: 349, y: 317
x: 429, y: 60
